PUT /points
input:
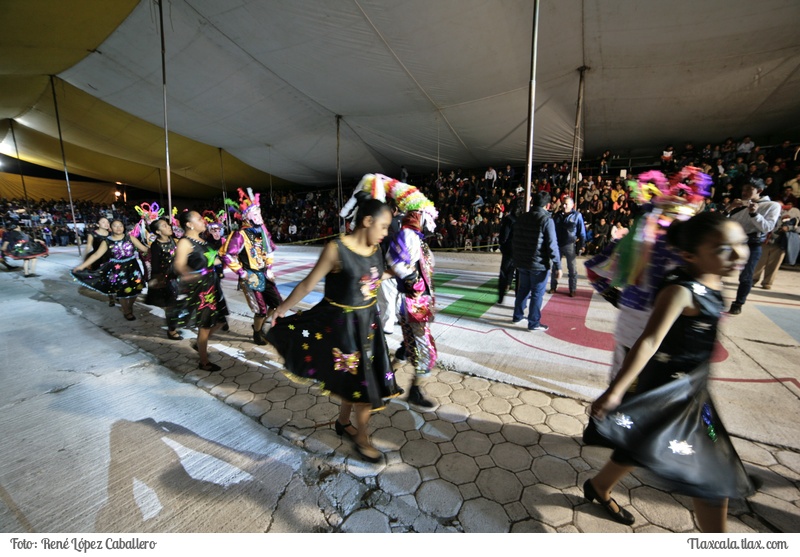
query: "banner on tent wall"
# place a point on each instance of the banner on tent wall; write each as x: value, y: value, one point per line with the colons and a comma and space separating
x: 46, y: 188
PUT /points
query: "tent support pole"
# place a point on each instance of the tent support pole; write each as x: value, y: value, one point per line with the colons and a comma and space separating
x: 577, y: 139
x: 64, y: 160
x: 164, y: 83
x: 531, y: 104
x: 224, y: 191
x: 19, y: 167
x: 339, y: 171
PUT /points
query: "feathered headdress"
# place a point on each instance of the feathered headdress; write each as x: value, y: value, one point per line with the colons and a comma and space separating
x: 217, y: 218
x: 681, y: 193
x: 407, y: 197
x: 149, y: 211
x: 247, y: 201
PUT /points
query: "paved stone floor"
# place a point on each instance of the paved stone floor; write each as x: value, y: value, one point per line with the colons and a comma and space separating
x: 491, y: 458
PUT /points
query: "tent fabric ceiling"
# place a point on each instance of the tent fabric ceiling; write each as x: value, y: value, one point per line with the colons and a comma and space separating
x: 414, y: 82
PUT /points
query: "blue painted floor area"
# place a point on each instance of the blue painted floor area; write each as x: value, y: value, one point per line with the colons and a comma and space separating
x: 285, y: 288
x: 785, y: 318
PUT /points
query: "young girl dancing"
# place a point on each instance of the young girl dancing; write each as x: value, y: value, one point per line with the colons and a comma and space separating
x: 657, y: 412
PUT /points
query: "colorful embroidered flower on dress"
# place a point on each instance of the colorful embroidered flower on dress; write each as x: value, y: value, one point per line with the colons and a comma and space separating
x: 305, y: 346
x: 370, y: 284
x: 346, y: 362
x: 308, y: 359
x: 318, y: 336
x: 357, y: 395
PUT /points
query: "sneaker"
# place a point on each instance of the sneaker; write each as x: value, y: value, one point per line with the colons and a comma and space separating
x: 416, y: 398
x: 736, y: 309
x: 539, y: 327
x: 515, y: 321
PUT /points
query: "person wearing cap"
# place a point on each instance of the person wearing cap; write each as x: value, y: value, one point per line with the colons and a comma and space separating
x: 758, y: 215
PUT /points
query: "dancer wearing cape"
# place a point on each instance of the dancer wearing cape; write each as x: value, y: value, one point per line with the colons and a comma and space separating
x: 657, y: 412
x: 248, y: 252
x: 339, y: 343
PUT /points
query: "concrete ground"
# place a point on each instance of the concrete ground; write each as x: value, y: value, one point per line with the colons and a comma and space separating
x: 107, y: 426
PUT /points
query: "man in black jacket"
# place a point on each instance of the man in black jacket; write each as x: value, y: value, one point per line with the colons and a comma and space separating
x: 534, y: 249
x: 507, y: 261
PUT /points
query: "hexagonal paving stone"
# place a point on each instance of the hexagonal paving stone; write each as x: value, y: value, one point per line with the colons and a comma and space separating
x: 407, y: 421
x: 327, y: 411
x: 499, y: 485
x: 257, y: 408
x: 591, y: 517
x: 264, y: 386
x: 568, y: 406
x: 554, y: 472
x: 520, y: 434
x: 399, y: 479
x: 483, y: 516
x: 279, y: 394
x: 453, y: 412
x: 752, y: 452
x: 485, y: 422
x: 420, y: 452
x: 504, y: 390
x: 322, y: 441
x: 367, y: 520
x: 436, y: 389
x: 548, y: 505
x: 276, y: 417
x: 528, y: 414
x: 789, y: 459
x: 388, y: 439
x: 511, y: 457
x: 298, y: 403
x: 224, y: 390
x: 439, y: 498
x: 565, y: 425
x: 661, y: 509
x: 211, y: 381
x: 465, y: 397
x: 449, y: 377
x: 535, y: 398
x: 495, y: 405
x: 457, y: 468
x: 239, y: 398
x: 472, y: 443
x: 560, y: 446
x: 247, y: 379
x: 475, y: 383
x: 438, y: 431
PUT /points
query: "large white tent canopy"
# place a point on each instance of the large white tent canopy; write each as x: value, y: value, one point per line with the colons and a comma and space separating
x: 257, y: 89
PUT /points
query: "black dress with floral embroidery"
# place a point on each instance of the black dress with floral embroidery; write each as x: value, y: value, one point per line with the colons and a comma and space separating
x: 668, y: 423
x: 339, y: 342
x: 200, y: 301
x: 120, y: 276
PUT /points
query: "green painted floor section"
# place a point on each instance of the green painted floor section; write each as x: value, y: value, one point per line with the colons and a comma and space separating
x: 473, y: 301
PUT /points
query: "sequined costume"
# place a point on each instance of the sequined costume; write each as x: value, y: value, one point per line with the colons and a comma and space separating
x: 248, y: 253
x: 412, y: 261
x: 200, y: 302
x: 21, y: 246
x: 339, y: 342
x: 668, y: 423
x: 120, y: 276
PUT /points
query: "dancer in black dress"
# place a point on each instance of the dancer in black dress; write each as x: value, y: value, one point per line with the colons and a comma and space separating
x: 94, y: 240
x: 340, y: 342
x: 162, y: 286
x: 201, y: 304
x: 18, y: 245
x: 121, y: 275
x: 659, y: 413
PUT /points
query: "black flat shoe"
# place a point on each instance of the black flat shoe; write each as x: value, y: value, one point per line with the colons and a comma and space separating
x: 341, y: 429
x: 130, y: 317
x: 621, y: 515
x: 174, y: 335
x: 209, y: 367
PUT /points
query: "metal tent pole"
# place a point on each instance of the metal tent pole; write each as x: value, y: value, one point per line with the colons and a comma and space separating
x: 19, y: 167
x: 532, y: 104
x: 164, y: 83
x: 577, y: 139
x: 224, y: 191
x: 64, y: 160
x: 339, y: 170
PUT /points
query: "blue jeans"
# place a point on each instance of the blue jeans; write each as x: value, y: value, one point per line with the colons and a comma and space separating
x: 746, y: 276
x: 568, y: 251
x: 531, y: 284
